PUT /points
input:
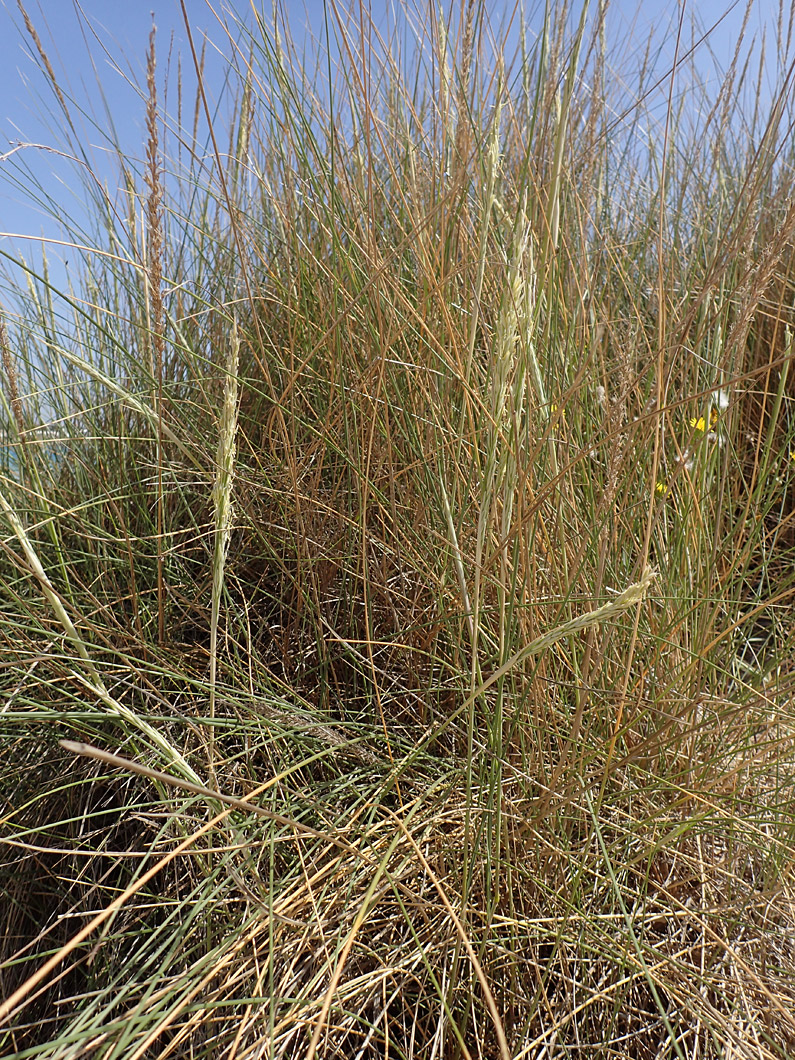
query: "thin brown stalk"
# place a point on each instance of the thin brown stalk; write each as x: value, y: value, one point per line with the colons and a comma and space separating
x: 154, y: 261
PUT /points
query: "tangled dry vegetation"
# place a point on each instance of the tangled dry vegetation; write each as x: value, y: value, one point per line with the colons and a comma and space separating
x: 397, y: 527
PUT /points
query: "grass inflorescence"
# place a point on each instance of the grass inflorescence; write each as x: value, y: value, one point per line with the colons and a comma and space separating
x: 397, y: 558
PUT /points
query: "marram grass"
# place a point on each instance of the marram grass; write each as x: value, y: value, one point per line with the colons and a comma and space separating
x: 397, y: 556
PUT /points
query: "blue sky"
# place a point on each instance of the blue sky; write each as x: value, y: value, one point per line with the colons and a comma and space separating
x: 108, y: 44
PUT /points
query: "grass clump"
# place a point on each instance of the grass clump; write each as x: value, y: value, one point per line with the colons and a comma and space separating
x: 398, y: 530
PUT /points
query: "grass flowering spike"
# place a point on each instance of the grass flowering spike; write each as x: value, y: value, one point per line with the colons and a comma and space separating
x: 222, y: 503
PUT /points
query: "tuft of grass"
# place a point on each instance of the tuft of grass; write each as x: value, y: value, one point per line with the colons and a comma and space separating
x: 472, y: 733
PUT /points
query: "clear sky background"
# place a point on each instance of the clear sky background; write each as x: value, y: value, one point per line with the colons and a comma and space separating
x: 107, y: 43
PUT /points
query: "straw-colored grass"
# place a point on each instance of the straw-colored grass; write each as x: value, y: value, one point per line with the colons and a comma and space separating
x: 397, y: 559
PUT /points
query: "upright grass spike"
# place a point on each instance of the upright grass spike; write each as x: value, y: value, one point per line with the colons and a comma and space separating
x: 222, y: 510
x: 155, y: 308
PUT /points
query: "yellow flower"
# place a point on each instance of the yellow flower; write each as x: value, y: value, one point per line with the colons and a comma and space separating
x: 661, y: 488
x: 700, y: 422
